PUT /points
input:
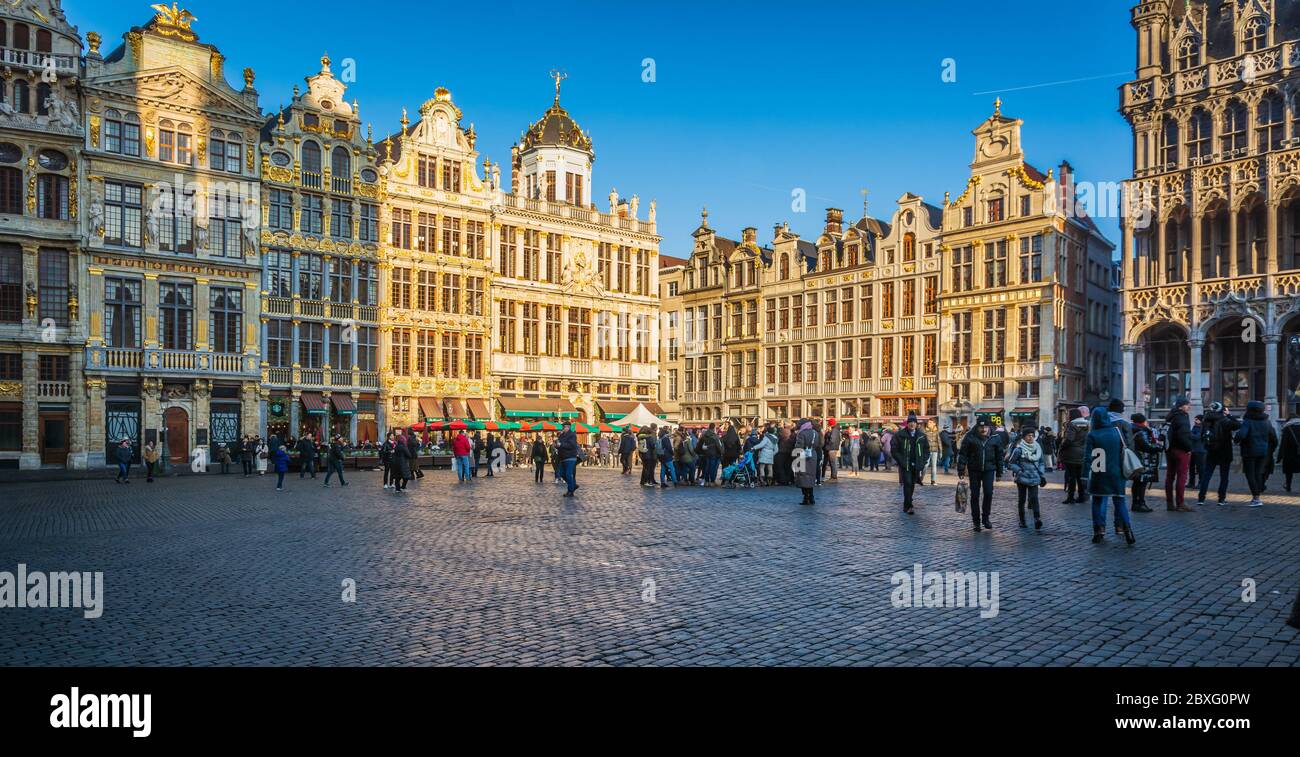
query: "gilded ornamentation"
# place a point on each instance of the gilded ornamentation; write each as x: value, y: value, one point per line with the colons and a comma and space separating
x: 94, y: 130
x: 173, y: 22
x: 93, y: 40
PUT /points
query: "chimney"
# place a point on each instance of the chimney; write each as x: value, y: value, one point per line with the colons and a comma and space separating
x: 515, y: 169
x: 834, y: 221
x: 749, y: 234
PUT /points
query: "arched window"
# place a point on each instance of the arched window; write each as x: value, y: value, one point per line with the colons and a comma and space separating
x: 1234, y: 127
x: 1270, y: 122
x: 1215, y: 260
x: 44, y: 41
x: 1169, y: 142
x: 1189, y: 53
x: 341, y: 162
x: 785, y: 265
x: 909, y: 246
x: 42, y: 97
x: 1252, y: 238
x: 311, y: 165
x: 22, y: 96
x: 1200, y: 134
x: 1256, y: 35
x: 22, y: 37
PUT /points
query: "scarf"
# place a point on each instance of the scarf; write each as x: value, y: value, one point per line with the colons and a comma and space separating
x: 1030, y: 452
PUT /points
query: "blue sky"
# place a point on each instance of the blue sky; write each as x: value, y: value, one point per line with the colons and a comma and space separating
x: 750, y: 100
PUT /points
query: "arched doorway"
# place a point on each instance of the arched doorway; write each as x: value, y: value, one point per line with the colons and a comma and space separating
x: 177, y: 423
x: 1237, y: 364
x: 1168, y: 367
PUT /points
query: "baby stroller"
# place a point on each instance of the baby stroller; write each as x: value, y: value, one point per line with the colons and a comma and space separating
x: 741, y: 475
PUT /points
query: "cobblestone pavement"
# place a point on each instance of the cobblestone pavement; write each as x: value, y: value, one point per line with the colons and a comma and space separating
x: 222, y: 570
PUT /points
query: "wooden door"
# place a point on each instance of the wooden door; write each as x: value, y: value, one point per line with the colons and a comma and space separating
x: 54, y: 438
x: 177, y: 422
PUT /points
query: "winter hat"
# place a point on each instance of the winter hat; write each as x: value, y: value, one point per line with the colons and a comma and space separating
x: 1216, y: 407
x: 911, y: 417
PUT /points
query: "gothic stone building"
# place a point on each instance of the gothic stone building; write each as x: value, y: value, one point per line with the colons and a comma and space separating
x: 1211, y: 260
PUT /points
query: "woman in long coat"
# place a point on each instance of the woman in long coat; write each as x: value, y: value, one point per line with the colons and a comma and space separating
x: 804, y: 462
x: 402, y: 462
x: 784, y: 453
x: 1108, y: 482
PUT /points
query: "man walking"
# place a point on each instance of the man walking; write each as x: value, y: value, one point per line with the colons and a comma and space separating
x: 667, y: 468
x: 831, y: 450
x: 1178, y: 455
x: 1258, y: 442
x: 805, y: 461
x: 567, y: 447
x: 948, y: 445
x: 981, y: 454
x: 911, y: 450
x: 334, y: 461
x: 123, y: 457
x: 1196, y: 472
x: 626, y: 448
x: 1073, y: 438
x: 306, y: 457
x: 462, y: 448
x: 646, y: 443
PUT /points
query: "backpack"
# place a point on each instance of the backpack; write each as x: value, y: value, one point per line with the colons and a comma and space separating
x: 1210, y: 434
x: 643, y: 445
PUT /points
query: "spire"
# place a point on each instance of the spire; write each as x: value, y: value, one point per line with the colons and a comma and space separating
x: 704, y: 217
x: 865, y: 192
x: 997, y: 107
x: 325, y: 63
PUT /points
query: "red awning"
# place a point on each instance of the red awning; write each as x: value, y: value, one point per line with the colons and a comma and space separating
x: 313, y: 402
x: 431, y: 408
x: 479, y: 409
x: 343, y: 403
x: 456, y: 409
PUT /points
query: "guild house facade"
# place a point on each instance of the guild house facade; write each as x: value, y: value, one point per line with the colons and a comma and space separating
x: 172, y: 275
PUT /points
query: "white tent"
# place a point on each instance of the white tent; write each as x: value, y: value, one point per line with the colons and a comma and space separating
x: 643, y: 418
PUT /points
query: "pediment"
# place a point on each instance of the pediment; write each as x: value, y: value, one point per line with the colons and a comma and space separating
x: 175, y: 87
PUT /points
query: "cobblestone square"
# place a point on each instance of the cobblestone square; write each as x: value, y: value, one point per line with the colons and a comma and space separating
x: 223, y: 570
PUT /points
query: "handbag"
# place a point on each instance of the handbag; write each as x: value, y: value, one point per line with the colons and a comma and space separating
x: 962, y: 496
x: 1130, y: 464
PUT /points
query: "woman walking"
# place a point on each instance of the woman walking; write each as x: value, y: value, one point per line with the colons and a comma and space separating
x: 1109, y: 481
x: 402, y: 465
x: 1150, y: 449
x: 334, y: 461
x: 1026, y: 464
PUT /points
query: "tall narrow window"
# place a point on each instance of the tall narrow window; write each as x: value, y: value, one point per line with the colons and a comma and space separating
x: 226, y: 324
x: 995, y: 335
x: 53, y: 281
x: 176, y: 315
x: 1270, y: 122
x: 11, y: 283
x: 1030, y: 332
x: 122, y: 313
x: 1234, y: 127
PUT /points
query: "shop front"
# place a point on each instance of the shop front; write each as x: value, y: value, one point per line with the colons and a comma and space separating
x: 529, y: 409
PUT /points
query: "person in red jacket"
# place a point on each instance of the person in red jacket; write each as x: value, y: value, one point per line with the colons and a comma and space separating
x: 462, y: 447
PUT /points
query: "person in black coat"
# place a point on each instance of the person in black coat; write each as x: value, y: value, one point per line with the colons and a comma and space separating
x: 540, y: 458
x: 1289, y: 451
x: 626, y: 448
x: 402, y: 457
x: 387, y: 461
x: 1217, y: 438
x: 567, y: 450
x: 493, y: 444
x: 306, y: 457
x: 911, y: 450
x: 413, y: 456
x: 1148, y: 448
x: 981, y: 455
x: 730, y: 446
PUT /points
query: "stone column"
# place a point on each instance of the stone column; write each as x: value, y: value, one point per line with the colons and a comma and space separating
x: 251, y: 410
x: 1194, y: 275
x: 295, y: 404
x: 1126, y: 255
x: 1162, y: 239
x: 1129, y: 392
x: 95, y: 431
x: 1271, y: 398
x: 1271, y: 263
x: 201, y: 315
x: 31, y: 456
x: 78, y: 454
x: 149, y: 307
x: 1196, y: 346
x: 1232, y: 242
